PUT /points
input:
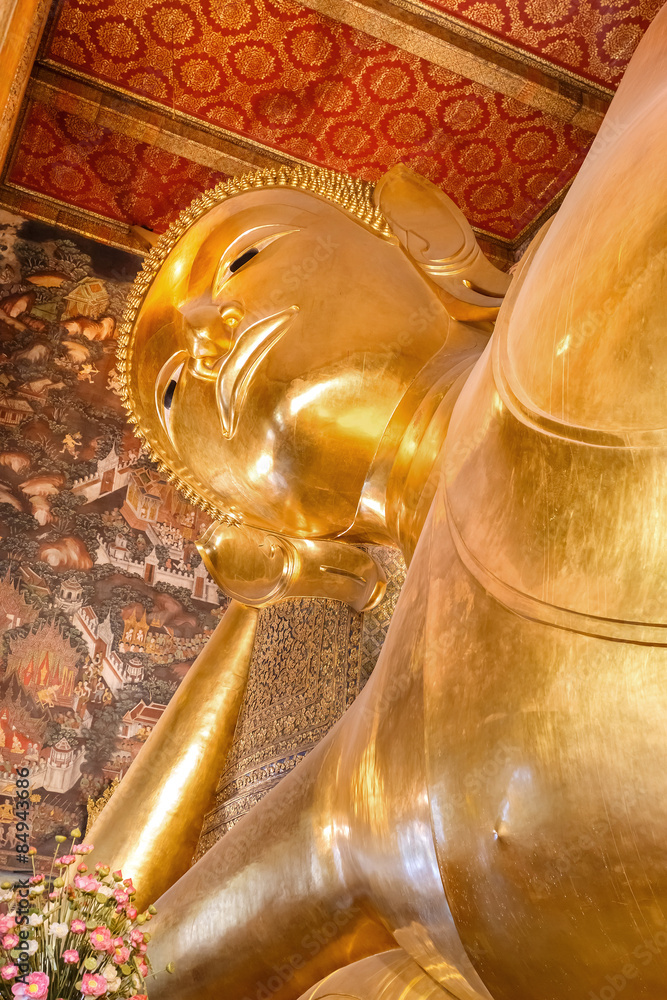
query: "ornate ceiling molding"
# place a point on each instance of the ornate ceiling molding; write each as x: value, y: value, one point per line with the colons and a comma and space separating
x: 523, y: 62
x: 22, y: 23
x: 147, y: 121
x: 474, y: 54
x: 29, y: 205
x: 250, y: 153
x: 175, y: 132
x: 433, y: 41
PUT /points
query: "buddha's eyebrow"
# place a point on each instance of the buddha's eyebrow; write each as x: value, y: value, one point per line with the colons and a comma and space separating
x: 256, y: 238
x: 255, y: 234
x: 245, y: 239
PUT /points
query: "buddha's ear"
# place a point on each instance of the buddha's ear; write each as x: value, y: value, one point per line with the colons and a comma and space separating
x: 437, y: 237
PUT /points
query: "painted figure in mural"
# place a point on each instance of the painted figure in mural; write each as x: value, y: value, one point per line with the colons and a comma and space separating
x: 494, y: 803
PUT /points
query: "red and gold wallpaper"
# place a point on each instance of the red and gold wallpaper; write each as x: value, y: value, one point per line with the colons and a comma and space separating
x: 592, y: 39
x: 83, y: 164
x: 286, y: 77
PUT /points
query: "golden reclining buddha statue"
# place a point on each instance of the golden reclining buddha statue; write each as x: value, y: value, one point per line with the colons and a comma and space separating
x: 316, y: 363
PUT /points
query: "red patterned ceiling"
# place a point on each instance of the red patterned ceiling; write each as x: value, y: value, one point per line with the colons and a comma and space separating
x: 321, y: 91
x: 72, y: 160
x: 592, y: 38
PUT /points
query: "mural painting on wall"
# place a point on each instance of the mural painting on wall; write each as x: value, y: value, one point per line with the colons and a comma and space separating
x: 104, y: 601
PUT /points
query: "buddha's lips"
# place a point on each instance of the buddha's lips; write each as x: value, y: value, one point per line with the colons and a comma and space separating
x: 239, y: 366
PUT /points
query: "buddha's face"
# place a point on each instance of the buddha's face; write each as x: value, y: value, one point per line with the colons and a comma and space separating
x: 271, y: 350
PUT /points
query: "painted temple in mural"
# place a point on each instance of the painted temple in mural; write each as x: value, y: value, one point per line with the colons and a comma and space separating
x: 104, y: 601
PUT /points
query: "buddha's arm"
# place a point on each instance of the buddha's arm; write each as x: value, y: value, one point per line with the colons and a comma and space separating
x: 322, y: 871
x: 151, y: 825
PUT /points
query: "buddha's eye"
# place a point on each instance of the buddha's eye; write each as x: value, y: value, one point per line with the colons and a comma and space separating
x: 165, y: 388
x: 169, y: 394
x: 229, y: 267
x: 245, y: 258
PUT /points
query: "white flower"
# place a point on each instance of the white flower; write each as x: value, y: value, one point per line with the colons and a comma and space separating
x: 37, y: 890
x: 105, y: 890
x: 6, y: 895
x: 30, y: 947
x: 35, y: 919
x: 58, y: 930
x: 113, y: 979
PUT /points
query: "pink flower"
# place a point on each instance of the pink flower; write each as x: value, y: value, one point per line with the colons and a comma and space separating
x: 87, y: 883
x: 93, y: 985
x: 82, y: 868
x: 77, y: 926
x: 100, y: 939
x: 136, y: 936
x: 117, y: 942
x: 71, y: 956
x: 120, y: 896
x: 143, y: 968
x: 36, y: 879
x: 36, y: 986
x: 142, y: 948
x: 139, y: 996
x: 7, y: 921
x: 10, y: 941
x: 132, y: 912
x: 118, y: 875
x: 9, y: 972
x: 121, y: 955
x: 83, y: 848
x: 67, y: 859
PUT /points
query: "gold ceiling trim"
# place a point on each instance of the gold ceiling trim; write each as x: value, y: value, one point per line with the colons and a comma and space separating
x: 153, y: 125
x: 86, y: 106
x: 89, y: 98
x: 270, y: 154
x: 521, y: 241
x: 24, y: 25
x: 25, y: 201
x: 523, y: 57
x: 30, y: 205
x: 578, y: 103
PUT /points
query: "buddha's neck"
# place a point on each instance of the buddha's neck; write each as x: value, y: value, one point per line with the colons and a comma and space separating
x: 404, y: 477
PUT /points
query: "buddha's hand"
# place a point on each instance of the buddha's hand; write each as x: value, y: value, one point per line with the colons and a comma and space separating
x: 259, y: 568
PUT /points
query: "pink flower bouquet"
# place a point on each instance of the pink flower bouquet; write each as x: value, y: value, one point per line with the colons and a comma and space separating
x: 72, y: 935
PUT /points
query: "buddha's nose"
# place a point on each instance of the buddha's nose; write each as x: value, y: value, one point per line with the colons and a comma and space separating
x: 209, y: 332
